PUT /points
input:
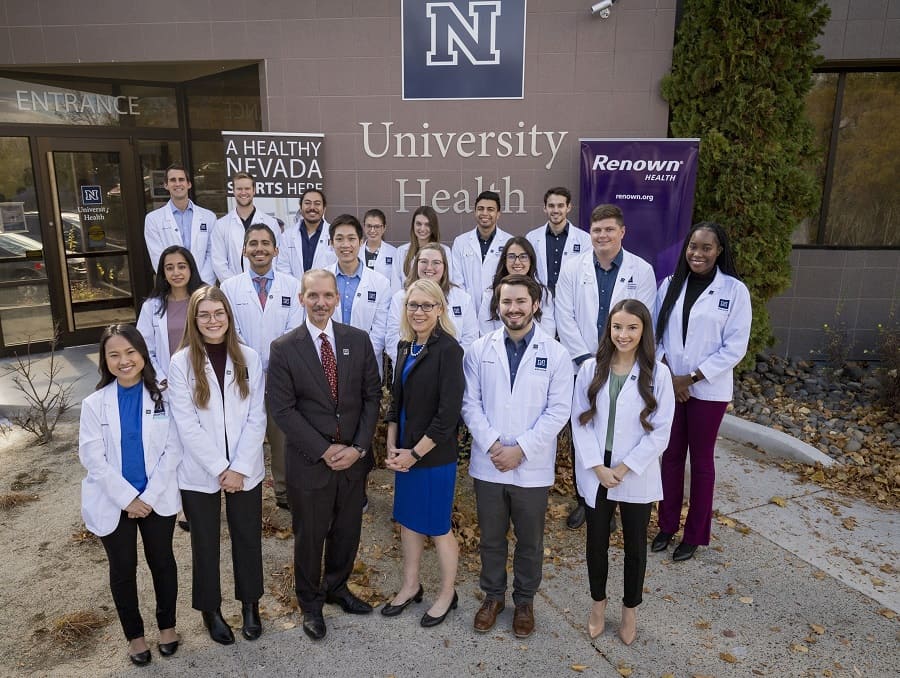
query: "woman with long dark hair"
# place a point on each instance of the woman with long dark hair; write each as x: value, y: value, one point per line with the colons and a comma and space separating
x: 517, y: 258
x: 702, y: 331
x: 163, y: 315
x: 423, y: 229
x: 217, y: 390
x: 130, y: 447
x: 621, y: 418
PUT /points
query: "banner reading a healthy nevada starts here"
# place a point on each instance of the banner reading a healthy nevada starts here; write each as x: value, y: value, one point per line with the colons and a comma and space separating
x: 652, y: 180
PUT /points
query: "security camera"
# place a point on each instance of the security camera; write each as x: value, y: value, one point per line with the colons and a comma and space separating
x: 602, y: 8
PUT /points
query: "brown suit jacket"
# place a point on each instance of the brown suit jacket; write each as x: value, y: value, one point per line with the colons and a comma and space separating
x: 299, y: 399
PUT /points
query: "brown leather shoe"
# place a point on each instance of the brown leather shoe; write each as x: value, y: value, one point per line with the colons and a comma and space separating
x: 523, y: 620
x: 486, y: 616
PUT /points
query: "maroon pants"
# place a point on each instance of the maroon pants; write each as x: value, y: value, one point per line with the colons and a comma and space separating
x: 694, y: 429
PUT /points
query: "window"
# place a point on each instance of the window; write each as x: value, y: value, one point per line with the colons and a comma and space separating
x: 855, y: 115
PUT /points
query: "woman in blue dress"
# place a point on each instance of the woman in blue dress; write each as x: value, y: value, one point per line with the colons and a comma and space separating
x: 422, y: 444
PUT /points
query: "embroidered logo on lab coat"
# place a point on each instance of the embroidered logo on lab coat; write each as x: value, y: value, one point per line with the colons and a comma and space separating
x: 389, y: 260
x: 724, y: 304
x: 540, y: 363
x: 576, y: 247
x: 457, y: 310
x: 372, y: 295
x: 203, y: 227
x: 285, y: 301
x: 631, y: 285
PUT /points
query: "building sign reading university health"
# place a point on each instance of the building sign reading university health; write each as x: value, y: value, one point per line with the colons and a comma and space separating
x: 463, y: 49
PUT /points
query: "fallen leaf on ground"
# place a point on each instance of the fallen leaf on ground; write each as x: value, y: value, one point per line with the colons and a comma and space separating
x: 849, y: 523
x: 746, y: 599
x: 728, y: 657
x: 886, y: 613
x: 625, y: 671
x: 877, y: 581
x: 817, y: 628
x: 578, y: 667
x: 728, y: 633
x: 798, y: 647
x: 702, y: 624
x: 780, y: 501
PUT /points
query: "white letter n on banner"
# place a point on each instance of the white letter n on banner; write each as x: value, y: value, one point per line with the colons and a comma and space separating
x: 452, y: 33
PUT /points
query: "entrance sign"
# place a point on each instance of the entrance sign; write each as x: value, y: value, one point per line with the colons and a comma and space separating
x: 652, y: 181
x: 463, y: 49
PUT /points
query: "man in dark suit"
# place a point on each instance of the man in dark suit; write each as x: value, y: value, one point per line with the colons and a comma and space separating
x: 323, y: 391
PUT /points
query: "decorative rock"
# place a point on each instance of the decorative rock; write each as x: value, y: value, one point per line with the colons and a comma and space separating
x: 852, y: 446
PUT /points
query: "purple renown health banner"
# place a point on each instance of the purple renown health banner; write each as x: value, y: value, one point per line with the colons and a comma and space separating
x: 652, y: 181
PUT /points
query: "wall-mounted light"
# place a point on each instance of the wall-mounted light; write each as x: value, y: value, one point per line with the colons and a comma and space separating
x: 602, y: 8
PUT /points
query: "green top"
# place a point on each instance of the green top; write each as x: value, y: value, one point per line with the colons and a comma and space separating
x: 616, y: 382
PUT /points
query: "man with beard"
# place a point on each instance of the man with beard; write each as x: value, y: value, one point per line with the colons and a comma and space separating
x: 518, y: 398
x: 306, y: 244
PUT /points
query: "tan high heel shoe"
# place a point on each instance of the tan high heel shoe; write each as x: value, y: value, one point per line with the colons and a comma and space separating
x: 597, y: 620
x: 628, y: 627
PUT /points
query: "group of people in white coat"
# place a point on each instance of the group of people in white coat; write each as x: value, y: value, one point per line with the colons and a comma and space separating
x: 527, y: 314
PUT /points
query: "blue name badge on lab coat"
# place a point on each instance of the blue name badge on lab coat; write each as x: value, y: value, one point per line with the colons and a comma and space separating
x: 372, y: 295
x: 285, y: 301
x: 576, y: 247
x: 457, y: 310
x: 724, y: 304
x: 540, y: 363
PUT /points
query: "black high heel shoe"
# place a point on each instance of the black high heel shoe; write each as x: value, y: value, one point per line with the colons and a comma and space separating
x: 140, y: 658
x: 429, y: 621
x: 390, y: 610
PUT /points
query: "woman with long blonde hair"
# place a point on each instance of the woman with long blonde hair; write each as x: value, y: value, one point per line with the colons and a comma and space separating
x: 216, y: 387
x: 422, y: 444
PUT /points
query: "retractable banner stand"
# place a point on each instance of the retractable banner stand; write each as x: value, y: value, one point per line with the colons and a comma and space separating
x: 652, y: 181
x: 283, y: 165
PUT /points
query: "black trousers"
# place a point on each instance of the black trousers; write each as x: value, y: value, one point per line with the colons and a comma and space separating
x: 121, y: 550
x: 243, y: 511
x: 325, y: 520
x: 635, y: 518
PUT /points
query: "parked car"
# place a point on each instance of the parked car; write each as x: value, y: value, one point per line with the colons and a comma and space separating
x: 22, y: 258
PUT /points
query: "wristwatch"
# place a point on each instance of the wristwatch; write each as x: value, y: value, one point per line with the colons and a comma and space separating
x: 415, y: 455
x: 360, y: 449
x: 694, y: 377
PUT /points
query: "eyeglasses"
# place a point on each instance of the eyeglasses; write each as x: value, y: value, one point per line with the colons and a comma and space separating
x: 412, y: 307
x: 513, y: 258
x: 373, y: 227
x: 204, y: 317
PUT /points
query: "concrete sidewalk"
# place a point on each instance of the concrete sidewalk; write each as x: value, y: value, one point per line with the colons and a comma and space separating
x: 810, y: 587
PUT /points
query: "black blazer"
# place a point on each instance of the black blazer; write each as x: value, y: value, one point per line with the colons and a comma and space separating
x: 432, y: 397
x: 299, y: 399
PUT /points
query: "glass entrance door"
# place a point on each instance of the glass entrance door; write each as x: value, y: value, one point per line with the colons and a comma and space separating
x: 93, y: 201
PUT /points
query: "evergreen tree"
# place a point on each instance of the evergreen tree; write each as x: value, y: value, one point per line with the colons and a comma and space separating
x: 740, y: 72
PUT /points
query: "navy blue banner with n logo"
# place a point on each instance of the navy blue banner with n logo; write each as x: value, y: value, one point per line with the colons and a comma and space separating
x: 463, y: 49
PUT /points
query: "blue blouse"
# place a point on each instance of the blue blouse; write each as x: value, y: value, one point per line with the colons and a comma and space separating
x: 131, y: 399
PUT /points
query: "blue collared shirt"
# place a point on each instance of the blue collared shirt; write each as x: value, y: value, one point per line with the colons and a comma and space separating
x: 515, y: 350
x: 347, y: 286
x: 555, y: 246
x: 606, y: 281
x: 184, y: 219
x: 268, y: 278
x: 309, y: 243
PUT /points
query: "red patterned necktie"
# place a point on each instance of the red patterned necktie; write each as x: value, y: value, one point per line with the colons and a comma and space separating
x: 261, y: 290
x: 330, y: 364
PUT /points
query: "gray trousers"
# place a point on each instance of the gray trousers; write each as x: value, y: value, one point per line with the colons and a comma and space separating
x: 526, y: 507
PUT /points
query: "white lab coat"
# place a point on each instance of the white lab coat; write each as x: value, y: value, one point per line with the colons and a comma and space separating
x: 155, y: 331
x: 638, y: 449
x: 370, y: 308
x: 104, y: 492
x: 161, y: 231
x: 227, y: 251
x: 577, y: 242
x: 473, y: 274
x: 462, y: 313
x: 717, y: 336
x: 203, y: 432
x: 258, y: 327
x: 384, y: 263
x: 486, y: 325
x: 578, y: 299
x: 530, y: 414
x: 400, y: 277
x: 290, y: 250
